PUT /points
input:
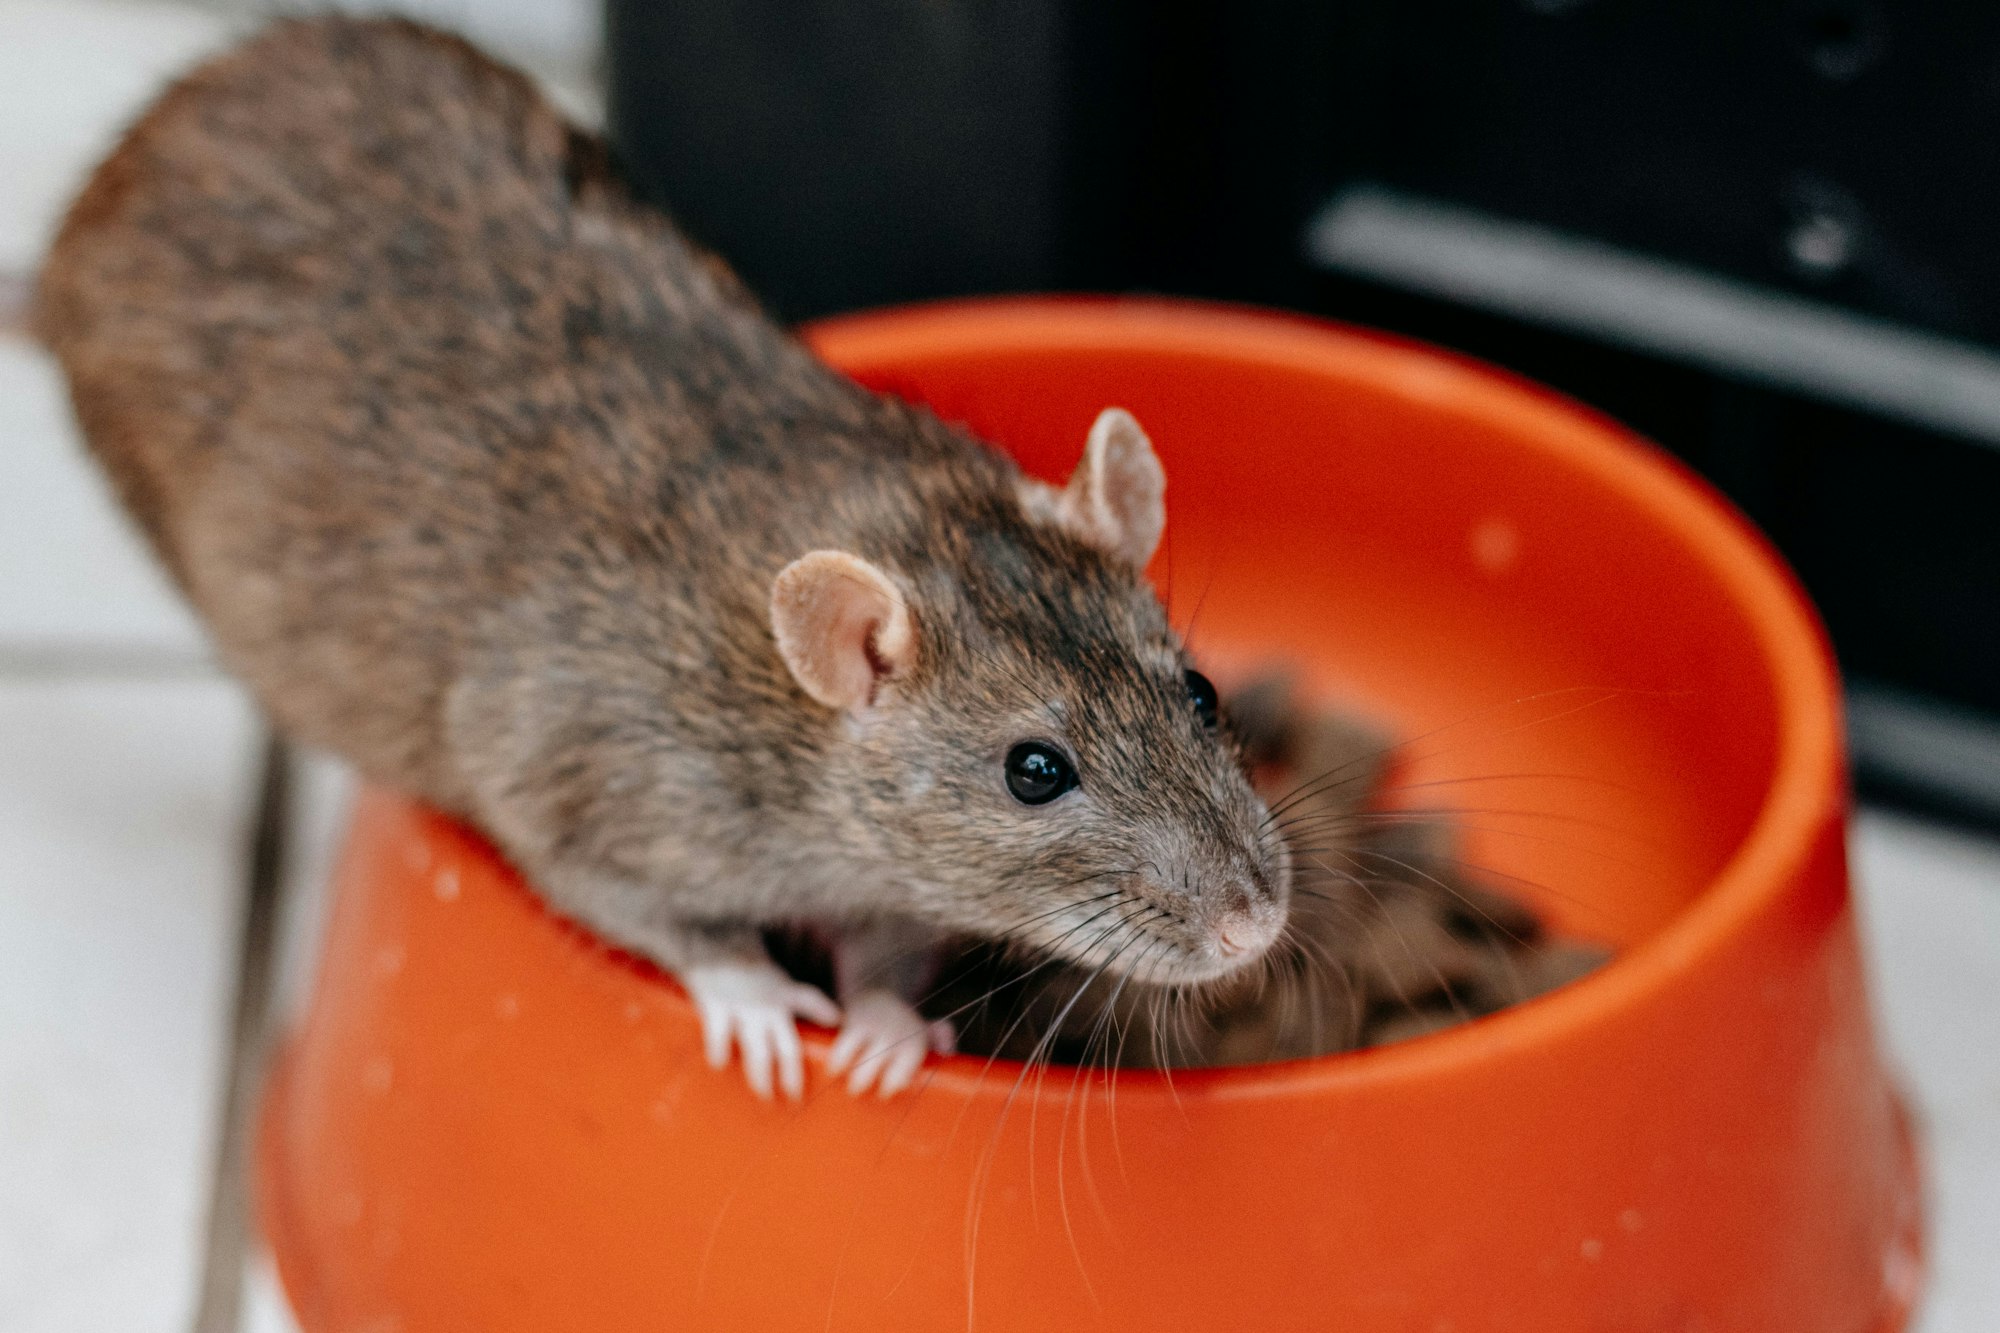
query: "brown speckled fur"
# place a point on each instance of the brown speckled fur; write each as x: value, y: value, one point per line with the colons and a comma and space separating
x: 480, y: 475
x: 1388, y: 938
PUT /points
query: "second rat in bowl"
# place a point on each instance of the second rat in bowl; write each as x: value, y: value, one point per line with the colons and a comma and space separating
x: 485, y: 478
x: 1390, y: 936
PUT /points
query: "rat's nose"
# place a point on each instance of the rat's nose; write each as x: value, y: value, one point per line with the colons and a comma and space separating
x: 1242, y: 934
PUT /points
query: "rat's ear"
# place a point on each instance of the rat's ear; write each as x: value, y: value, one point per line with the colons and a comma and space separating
x: 1116, y: 498
x: 841, y: 626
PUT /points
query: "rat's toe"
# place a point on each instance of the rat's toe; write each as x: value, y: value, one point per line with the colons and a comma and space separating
x: 812, y: 1004
x: 868, y: 1067
x: 753, y: 1039
x: 847, y: 1047
x: 900, y: 1069
x: 755, y: 1007
x: 788, y: 1058
x: 883, y: 1040
x: 717, y: 1031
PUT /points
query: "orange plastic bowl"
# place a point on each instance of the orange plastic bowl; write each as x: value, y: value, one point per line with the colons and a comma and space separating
x: 489, y: 1122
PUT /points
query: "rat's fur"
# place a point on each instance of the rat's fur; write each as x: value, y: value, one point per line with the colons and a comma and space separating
x: 481, y: 474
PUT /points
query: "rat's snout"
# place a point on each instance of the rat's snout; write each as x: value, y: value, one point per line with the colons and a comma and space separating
x: 1244, y: 934
x: 1248, y: 922
x: 1220, y: 902
x: 1236, y: 938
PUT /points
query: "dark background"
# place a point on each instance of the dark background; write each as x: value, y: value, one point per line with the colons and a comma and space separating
x: 848, y: 153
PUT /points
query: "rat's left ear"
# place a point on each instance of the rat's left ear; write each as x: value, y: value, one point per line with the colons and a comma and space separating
x: 842, y: 627
x: 1117, y: 497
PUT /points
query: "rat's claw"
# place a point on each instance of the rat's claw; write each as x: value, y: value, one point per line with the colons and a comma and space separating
x: 755, y: 1007
x: 884, y: 1040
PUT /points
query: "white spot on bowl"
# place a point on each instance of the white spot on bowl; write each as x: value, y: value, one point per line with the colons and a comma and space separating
x: 445, y: 886
x: 1902, y: 1272
x: 389, y: 960
x: 508, y: 1005
x: 1592, y: 1249
x: 1630, y: 1219
x: 1495, y: 544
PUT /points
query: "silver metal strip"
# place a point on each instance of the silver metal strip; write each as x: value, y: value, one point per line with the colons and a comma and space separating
x: 1552, y: 278
x: 1926, y: 745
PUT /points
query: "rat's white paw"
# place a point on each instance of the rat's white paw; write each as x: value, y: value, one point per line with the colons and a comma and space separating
x: 885, y: 1040
x: 756, y: 1007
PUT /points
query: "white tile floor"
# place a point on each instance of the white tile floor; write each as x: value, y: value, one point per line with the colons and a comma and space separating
x: 122, y: 809
x: 127, y: 777
x: 1931, y: 905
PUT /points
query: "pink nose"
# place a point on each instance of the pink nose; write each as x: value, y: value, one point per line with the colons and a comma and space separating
x: 1235, y: 938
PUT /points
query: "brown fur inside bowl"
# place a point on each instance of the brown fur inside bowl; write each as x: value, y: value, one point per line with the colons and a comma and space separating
x: 1391, y: 937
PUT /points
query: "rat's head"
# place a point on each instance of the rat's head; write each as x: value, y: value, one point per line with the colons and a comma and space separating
x: 1020, y: 738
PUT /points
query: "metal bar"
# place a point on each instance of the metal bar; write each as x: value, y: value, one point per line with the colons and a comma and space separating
x: 1563, y: 281
x: 1932, y: 752
x: 228, y: 1237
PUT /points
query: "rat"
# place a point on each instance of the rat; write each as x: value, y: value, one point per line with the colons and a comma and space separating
x: 484, y: 476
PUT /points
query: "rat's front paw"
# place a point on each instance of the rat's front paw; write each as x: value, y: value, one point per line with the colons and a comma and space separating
x: 886, y: 1041
x: 756, y: 1008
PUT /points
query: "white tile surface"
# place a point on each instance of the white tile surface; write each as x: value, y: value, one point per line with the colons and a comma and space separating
x: 123, y: 807
x: 1932, y: 904
x: 264, y: 1306
x: 553, y: 37
x: 71, y: 75
x: 73, y: 574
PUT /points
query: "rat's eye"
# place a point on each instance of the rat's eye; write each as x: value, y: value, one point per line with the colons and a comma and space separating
x: 1037, y: 773
x: 1202, y: 691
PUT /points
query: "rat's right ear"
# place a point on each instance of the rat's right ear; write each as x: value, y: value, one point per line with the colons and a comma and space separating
x: 1117, y: 498
x: 842, y: 627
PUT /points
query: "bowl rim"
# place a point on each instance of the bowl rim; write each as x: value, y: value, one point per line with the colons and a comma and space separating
x: 1806, y: 792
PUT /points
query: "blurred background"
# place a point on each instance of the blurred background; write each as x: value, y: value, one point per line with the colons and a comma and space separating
x: 1759, y: 233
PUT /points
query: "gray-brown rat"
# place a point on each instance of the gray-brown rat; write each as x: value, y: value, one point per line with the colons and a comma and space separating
x: 483, y: 476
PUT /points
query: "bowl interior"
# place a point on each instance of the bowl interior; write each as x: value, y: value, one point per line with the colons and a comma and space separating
x: 1552, y: 627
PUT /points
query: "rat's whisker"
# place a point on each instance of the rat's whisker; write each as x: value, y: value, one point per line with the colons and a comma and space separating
x: 1446, y: 886
x: 1410, y: 751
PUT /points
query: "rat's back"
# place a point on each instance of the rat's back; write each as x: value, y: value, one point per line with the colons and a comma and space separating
x: 326, y: 224
x: 369, y: 340
x: 484, y: 477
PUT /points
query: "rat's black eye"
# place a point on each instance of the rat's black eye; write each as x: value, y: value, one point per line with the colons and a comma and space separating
x: 1202, y: 691
x: 1037, y: 773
